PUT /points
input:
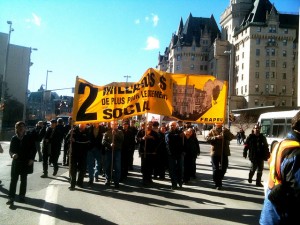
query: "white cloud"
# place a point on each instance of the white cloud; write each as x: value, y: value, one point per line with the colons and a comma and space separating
x: 152, y: 43
x: 147, y: 18
x: 137, y: 21
x: 36, y: 20
x: 155, y: 19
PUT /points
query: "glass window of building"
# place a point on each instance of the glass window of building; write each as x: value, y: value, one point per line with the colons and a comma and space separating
x: 284, y: 76
x: 283, y: 90
x: 257, y: 52
x: 256, y: 74
x: 273, y: 63
x: 257, y: 63
x: 257, y: 41
x: 272, y: 88
x: 284, y: 53
x: 256, y: 88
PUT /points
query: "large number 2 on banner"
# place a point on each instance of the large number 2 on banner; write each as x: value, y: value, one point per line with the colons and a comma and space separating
x: 81, y: 114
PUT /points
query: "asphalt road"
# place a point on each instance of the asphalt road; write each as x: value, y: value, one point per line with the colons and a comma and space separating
x: 50, y: 202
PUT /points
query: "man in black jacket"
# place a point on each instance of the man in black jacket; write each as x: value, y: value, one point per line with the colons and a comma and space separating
x: 51, y: 147
x: 258, y: 148
x: 22, y: 151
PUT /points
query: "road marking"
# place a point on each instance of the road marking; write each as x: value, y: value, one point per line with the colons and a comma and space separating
x: 48, y: 217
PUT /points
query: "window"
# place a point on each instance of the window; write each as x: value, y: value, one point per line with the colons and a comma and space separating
x: 267, y: 63
x: 242, y: 55
x: 256, y: 74
x: 271, y: 88
x: 201, y: 67
x: 193, y: 57
x: 267, y: 51
x: 267, y: 75
x: 242, y: 90
x: 284, y: 65
x: 178, y: 48
x: 258, y: 41
x: 284, y: 53
x: 177, y: 67
x: 242, y: 66
x: 178, y: 57
x: 192, y: 67
x: 272, y: 29
x: 257, y: 63
x: 205, y: 67
x: 257, y: 52
x: 285, y: 31
x: 273, y: 52
x: 194, y: 48
x: 246, y: 89
x: 267, y: 88
x: 284, y: 76
x: 272, y: 74
x: 284, y: 42
x: 258, y: 29
x: 273, y: 63
x: 242, y: 76
x: 256, y: 88
x: 256, y: 102
x: 283, y: 90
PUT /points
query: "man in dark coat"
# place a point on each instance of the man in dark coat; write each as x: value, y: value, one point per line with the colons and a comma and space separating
x: 22, y: 151
x: 258, y: 148
x: 51, y: 147
x: 175, y: 148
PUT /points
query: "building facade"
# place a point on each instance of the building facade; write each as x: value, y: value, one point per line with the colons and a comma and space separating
x: 256, y: 51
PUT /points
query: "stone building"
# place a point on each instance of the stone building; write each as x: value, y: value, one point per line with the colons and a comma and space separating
x: 256, y: 51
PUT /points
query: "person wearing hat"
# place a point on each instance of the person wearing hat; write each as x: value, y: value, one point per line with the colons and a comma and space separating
x: 258, y: 148
x: 22, y: 151
x: 219, y: 137
x: 51, y: 147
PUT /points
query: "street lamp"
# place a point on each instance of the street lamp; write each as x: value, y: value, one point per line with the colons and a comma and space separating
x: 48, y: 71
x: 229, y: 86
x: 3, y: 85
x: 44, y: 95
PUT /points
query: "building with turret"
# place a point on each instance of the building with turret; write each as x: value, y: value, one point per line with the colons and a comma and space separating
x: 255, y: 50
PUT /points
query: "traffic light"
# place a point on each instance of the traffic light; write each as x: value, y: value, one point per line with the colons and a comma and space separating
x: 231, y: 117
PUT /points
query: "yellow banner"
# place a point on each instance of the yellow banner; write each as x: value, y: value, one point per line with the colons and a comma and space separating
x: 194, y: 98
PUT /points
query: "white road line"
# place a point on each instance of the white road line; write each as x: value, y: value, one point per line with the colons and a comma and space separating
x: 48, y: 217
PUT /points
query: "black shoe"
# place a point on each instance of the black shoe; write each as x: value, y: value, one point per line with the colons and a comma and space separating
x: 96, y: 179
x: 91, y: 183
x: 45, y: 175
x: 117, y: 185
x: 10, y: 202
x: 71, y: 188
x: 258, y: 184
x: 218, y: 188
x: 173, y: 187
x: 107, y: 183
x: 54, y: 173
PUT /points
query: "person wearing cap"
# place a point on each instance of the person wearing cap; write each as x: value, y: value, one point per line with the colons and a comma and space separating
x: 219, y: 138
x: 22, y: 151
x: 257, y: 145
x: 51, y: 147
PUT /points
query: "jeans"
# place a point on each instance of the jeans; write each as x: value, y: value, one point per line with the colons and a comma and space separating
x: 176, y: 169
x: 116, y: 163
x: 94, y: 162
x: 219, y: 166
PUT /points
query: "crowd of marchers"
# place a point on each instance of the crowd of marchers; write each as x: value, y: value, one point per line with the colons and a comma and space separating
x: 107, y: 149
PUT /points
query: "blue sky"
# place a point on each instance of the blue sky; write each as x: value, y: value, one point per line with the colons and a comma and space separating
x: 101, y: 41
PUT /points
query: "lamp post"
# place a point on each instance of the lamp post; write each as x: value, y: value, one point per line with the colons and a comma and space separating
x: 229, y: 86
x: 3, y: 85
x: 44, y: 96
x: 27, y: 81
x: 48, y: 71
